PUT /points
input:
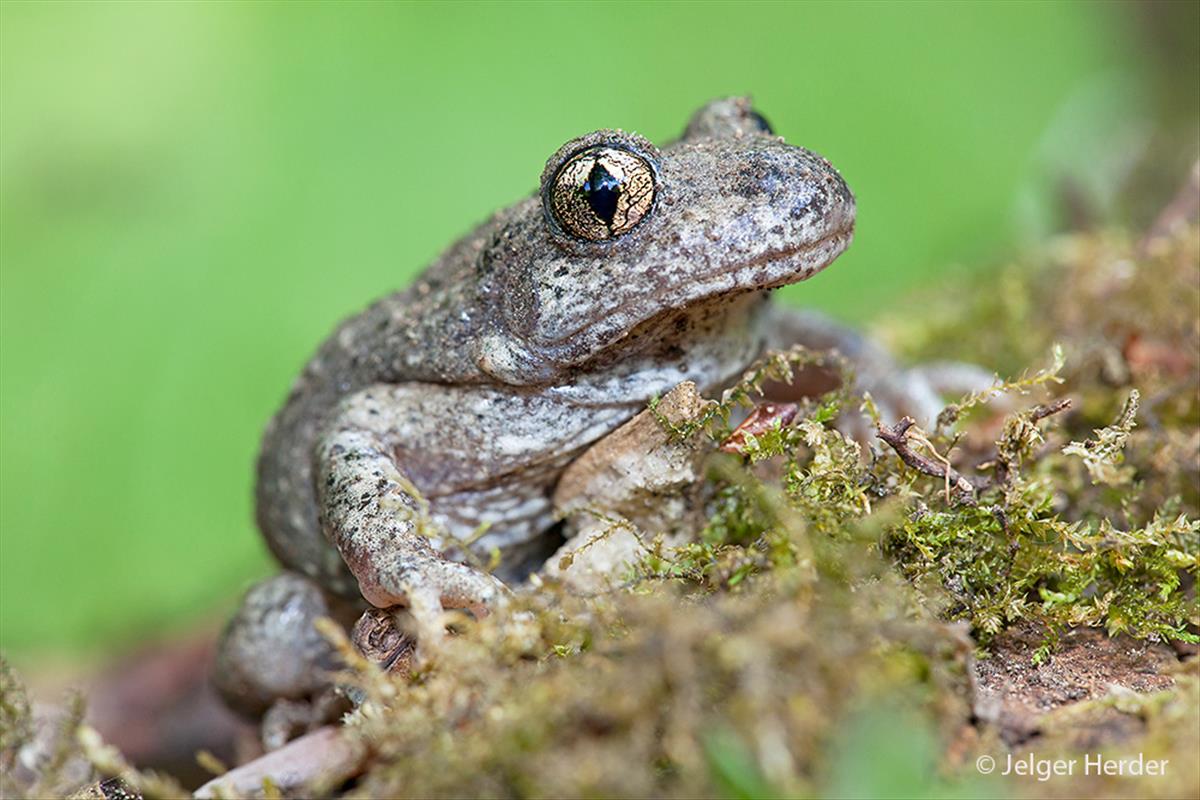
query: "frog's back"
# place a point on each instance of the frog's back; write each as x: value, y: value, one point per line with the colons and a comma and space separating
x: 422, y: 333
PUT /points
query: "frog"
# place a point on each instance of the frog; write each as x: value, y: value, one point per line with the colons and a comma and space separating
x: 433, y: 427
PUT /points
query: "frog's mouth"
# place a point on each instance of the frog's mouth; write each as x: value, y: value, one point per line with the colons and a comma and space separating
x: 789, y: 265
x: 769, y: 270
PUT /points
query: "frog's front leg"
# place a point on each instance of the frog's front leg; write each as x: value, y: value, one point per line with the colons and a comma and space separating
x: 371, y: 512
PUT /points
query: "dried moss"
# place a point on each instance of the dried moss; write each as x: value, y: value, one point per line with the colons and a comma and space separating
x: 650, y: 694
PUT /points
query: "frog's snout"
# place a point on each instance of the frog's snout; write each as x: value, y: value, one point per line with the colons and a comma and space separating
x: 813, y: 203
x: 788, y: 213
x: 827, y: 203
x: 841, y: 205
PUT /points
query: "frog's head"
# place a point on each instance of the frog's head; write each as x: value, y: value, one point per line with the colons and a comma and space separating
x: 627, y: 234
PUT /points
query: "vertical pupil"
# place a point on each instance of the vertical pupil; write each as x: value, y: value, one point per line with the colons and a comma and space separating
x: 602, y: 191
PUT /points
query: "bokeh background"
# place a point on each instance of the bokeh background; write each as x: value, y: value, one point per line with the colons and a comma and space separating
x: 191, y: 195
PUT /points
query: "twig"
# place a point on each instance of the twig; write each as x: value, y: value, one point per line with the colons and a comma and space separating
x: 898, y: 437
x: 328, y: 755
x: 1040, y: 412
x: 901, y: 440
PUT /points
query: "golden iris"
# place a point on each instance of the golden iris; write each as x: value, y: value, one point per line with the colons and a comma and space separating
x: 602, y: 193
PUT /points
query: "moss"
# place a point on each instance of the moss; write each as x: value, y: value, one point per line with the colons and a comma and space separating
x: 651, y: 693
x: 1097, y: 523
x: 16, y: 727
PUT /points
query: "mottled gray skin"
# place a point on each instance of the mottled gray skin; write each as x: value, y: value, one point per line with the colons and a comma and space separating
x: 521, y: 346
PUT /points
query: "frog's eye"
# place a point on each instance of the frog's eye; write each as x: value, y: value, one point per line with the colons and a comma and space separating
x: 602, y: 192
x: 760, y: 124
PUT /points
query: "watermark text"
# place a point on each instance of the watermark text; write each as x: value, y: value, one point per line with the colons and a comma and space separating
x: 1088, y: 764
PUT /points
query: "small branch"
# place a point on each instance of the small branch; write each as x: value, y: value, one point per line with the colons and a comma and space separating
x: 1040, y: 412
x: 902, y: 441
x: 329, y: 756
x: 897, y: 437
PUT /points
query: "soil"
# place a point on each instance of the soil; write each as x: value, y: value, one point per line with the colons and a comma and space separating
x: 1016, y: 695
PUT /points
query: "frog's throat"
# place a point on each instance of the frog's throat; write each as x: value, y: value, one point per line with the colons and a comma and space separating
x: 504, y: 358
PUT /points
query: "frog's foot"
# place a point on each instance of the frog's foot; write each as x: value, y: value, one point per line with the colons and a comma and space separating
x: 287, y: 719
x: 431, y: 585
x: 374, y: 516
x: 921, y: 392
x: 954, y: 378
x: 284, y: 721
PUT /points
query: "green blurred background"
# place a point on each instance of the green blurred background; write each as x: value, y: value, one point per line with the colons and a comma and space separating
x: 193, y: 194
